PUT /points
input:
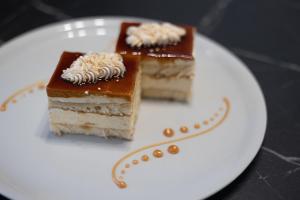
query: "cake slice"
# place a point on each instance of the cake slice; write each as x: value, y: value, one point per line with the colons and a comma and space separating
x: 84, y: 104
x: 167, y: 59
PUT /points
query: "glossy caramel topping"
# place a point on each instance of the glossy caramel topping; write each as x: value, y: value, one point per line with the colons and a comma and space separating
x: 168, y: 132
x: 183, y: 49
x: 173, y: 149
x: 127, y: 165
x: 158, y: 153
x: 122, y: 88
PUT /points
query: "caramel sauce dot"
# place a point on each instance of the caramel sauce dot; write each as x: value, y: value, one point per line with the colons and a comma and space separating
x: 122, y: 184
x: 2, y: 108
x: 127, y: 165
x: 123, y: 171
x: 168, y: 132
x: 184, y: 129
x: 135, y: 162
x: 158, y: 153
x: 197, y: 126
x: 173, y: 149
x: 41, y: 86
x: 205, y: 122
x: 145, y: 158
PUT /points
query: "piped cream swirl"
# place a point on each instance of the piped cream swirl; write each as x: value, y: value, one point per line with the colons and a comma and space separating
x: 93, y: 67
x: 150, y: 34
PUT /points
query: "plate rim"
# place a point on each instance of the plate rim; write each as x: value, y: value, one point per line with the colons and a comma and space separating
x: 259, y: 92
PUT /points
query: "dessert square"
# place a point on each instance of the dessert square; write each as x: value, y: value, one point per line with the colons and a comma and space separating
x: 103, y: 108
x: 167, y: 70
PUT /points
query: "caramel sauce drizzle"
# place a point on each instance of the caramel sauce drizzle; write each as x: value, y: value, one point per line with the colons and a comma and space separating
x: 172, y: 149
x: 168, y: 132
x: 28, y: 89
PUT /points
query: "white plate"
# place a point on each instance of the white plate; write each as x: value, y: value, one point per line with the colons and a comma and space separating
x: 34, y: 164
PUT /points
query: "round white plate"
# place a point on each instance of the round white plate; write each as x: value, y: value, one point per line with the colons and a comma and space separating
x: 34, y: 164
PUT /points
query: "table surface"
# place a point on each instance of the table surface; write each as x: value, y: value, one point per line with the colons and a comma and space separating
x: 265, y: 34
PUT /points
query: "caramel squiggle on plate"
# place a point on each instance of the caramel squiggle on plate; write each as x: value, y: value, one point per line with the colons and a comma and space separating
x: 217, y: 119
x: 28, y: 89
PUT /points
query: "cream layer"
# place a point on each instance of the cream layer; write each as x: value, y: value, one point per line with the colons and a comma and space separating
x: 174, y: 67
x: 92, y: 119
x: 60, y: 129
x: 173, y: 84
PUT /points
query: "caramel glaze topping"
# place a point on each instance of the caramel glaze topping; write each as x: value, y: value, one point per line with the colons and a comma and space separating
x: 183, y: 49
x: 123, y: 88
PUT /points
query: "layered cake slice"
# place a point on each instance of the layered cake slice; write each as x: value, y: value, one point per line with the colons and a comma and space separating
x: 95, y: 94
x: 167, y: 59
